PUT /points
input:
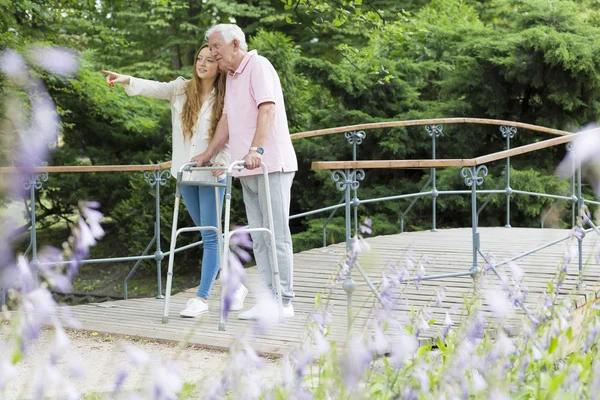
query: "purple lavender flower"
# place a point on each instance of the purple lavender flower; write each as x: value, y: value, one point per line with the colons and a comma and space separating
x: 287, y: 374
x: 354, y: 361
x: 476, y: 328
x: 89, y: 209
x: 592, y: 334
x: 302, y: 358
x: 365, y: 227
x: 585, y: 150
x: 48, y: 268
x: 37, y: 308
x: 12, y: 64
x: 65, y: 315
x: 498, y: 394
x: 517, y: 272
x: 498, y: 303
x: 137, y: 356
x: 322, y: 317
x: 490, y: 262
x: 268, y: 315
x: 402, y: 349
x: 55, y: 60
x: 379, y: 343
x: 166, y: 381
x: 410, y: 259
x: 385, y: 292
x: 122, y: 374
x: 240, y: 241
x: 7, y: 369
x: 447, y: 325
x: 61, y: 343
x: 479, y: 383
x: 440, y: 295
x: 359, y: 245
x: 231, y: 279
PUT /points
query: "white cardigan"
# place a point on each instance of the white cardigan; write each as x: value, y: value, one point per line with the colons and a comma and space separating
x: 183, y: 150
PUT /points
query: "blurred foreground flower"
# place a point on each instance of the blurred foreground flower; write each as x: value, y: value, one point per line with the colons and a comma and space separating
x: 585, y: 152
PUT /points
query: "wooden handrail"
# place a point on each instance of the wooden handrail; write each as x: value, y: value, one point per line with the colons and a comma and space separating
x: 435, y: 121
x: 404, y: 164
x: 352, y: 164
x: 89, y: 168
x: 392, y: 164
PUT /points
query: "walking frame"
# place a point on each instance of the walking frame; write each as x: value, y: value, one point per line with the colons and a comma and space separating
x: 223, y: 239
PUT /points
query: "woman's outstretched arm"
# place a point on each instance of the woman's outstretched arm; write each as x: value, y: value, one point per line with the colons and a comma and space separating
x: 113, y: 77
x: 144, y: 87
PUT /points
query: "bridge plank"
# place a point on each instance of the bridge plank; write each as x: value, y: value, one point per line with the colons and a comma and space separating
x: 448, y: 250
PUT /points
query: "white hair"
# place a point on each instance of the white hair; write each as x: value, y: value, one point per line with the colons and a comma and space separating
x: 230, y: 32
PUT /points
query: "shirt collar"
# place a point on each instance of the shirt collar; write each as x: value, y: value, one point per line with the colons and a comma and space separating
x: 245, y: 61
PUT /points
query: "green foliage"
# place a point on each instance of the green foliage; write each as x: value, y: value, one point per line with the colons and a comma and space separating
x: 340, y: 63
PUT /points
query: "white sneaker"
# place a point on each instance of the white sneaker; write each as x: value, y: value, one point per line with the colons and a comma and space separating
x: 238, y: 298
x: 255, y: 312
x: 288, y: 311
x: 194, y: 308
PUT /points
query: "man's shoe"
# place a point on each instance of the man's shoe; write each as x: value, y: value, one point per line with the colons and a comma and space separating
x: 257, y: 311
x: 253, y: 313
x: 288, y: 310
x: 194, y: 308
x: 238, y: 298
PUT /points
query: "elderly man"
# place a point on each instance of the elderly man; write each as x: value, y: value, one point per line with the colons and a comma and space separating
x: 255, y: 123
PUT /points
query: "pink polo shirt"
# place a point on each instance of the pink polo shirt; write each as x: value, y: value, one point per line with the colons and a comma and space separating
x: 253, y: 83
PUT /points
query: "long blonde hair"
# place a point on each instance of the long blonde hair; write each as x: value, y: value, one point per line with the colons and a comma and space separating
x: 193, y: 103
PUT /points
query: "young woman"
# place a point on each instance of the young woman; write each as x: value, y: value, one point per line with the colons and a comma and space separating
x: 196, y: 107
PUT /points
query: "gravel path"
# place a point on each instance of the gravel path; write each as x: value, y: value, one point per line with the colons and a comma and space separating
x: 99, y: 356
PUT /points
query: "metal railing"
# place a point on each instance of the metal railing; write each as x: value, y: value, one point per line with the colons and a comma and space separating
x: 347, y: 176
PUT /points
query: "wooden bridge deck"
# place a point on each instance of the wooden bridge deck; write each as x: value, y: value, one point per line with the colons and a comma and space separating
x: 446, y: 251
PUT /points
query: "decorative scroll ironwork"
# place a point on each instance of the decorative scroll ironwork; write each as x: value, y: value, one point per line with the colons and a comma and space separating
x: 35, y: 180
x: 508, y: 131
x: 570, y: 146
x: 355, y: 137
x: 157, y: 177
x: 471, y: 175
x: 436, y: 130
x: 344, y: 178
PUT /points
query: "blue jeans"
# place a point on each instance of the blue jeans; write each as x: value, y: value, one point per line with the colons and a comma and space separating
x: 200, y: 203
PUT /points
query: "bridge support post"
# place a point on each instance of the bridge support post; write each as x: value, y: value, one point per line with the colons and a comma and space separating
x: 508, y: 132
x: 346, y: 181
x: 157, y: 179
x: 434, y: 131
x: 32, y: 183
x: 473, y: 179
x: 355, y: 138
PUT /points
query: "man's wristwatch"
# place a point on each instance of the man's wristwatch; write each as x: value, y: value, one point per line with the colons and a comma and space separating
x: 258, y: 149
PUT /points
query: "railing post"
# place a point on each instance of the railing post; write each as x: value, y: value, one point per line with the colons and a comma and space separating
x: 346, y: 181
x: 355, y: 138
x: 580, y: 202
x: 574, y: 198
x: 32, y: 183
x: 158, y: 179
x: 508, y: 132
x: 472, y: 179
x: 434, y: 131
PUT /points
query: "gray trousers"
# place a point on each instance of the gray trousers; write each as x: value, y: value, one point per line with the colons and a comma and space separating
x: 280, y: 186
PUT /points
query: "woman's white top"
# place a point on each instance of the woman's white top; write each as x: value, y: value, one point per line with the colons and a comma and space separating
x: 183, y: 150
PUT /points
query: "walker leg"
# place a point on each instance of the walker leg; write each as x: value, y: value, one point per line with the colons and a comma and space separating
x: 273, y: 246
x: 225, y: 251
x: 165, y: 318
